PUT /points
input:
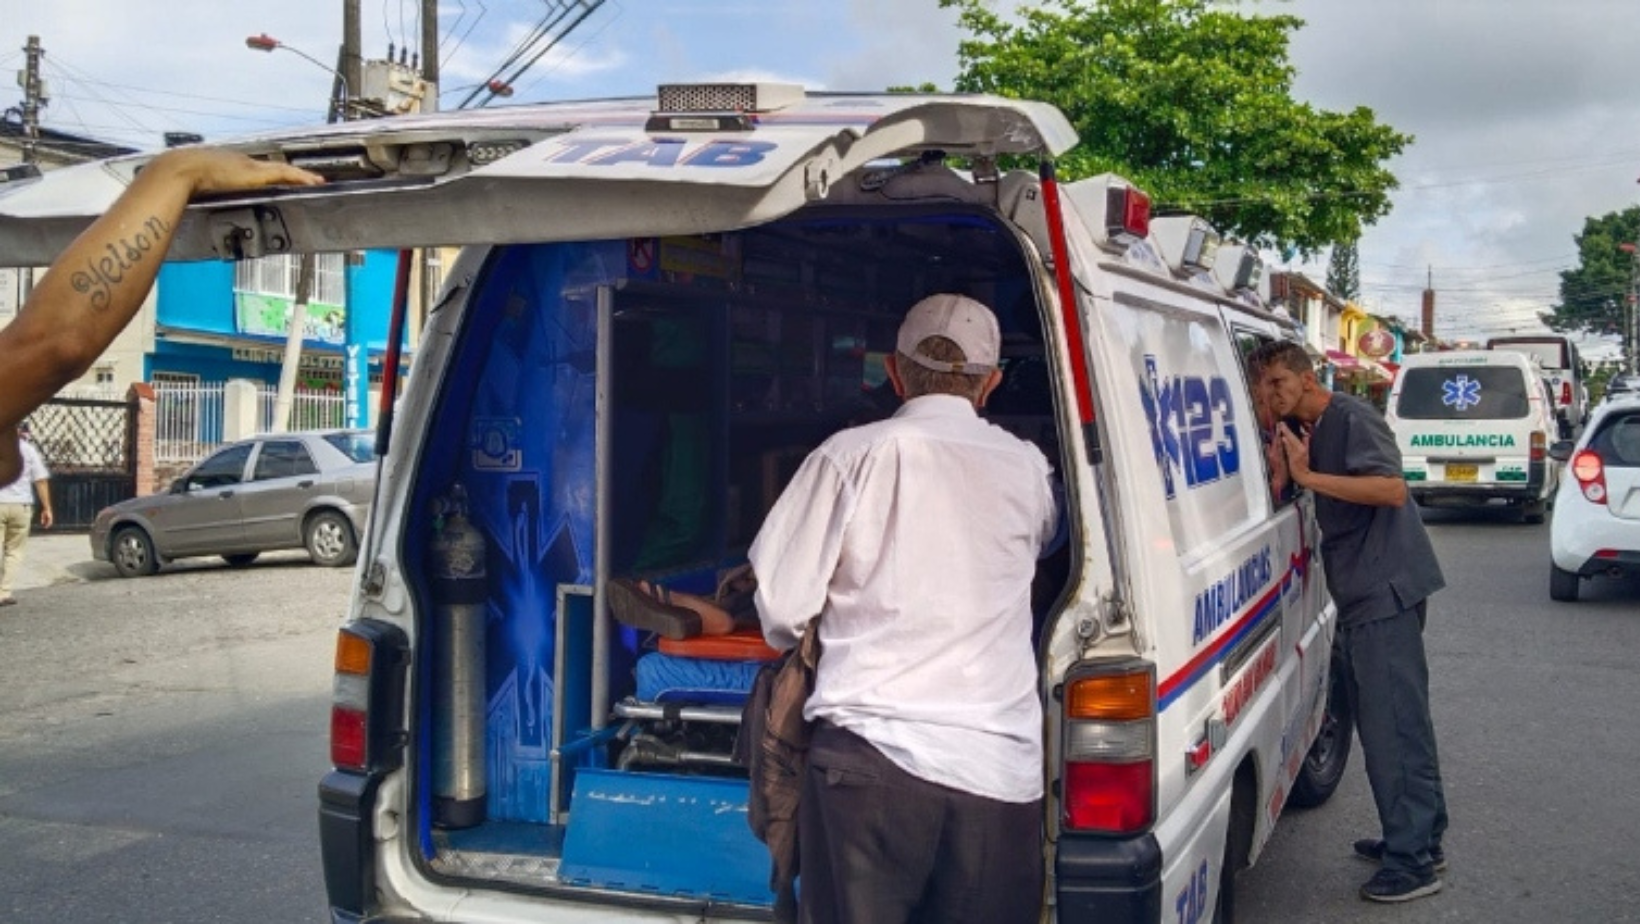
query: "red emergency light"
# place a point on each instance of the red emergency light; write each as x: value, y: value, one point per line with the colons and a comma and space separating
x: 1127, y: 213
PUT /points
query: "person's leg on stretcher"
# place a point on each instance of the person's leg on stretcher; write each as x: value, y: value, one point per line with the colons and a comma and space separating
x: 677, y: 615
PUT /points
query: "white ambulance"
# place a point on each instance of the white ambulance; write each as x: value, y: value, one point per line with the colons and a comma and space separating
x: 662, y: 305
x: 1473, y: 427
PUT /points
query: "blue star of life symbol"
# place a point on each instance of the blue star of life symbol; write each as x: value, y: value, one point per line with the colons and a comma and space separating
x: 1462, y: 393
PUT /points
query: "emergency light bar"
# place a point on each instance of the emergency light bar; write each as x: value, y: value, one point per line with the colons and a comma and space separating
x: 1109, y: 203
x: 1188, y: 244
x: 716, y: 107
x: 1238, y: 268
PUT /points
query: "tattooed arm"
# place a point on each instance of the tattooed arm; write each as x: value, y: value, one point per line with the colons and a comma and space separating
x: 96, y: 285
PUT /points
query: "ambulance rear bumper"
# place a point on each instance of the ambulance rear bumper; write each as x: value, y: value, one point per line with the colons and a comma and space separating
x: 1529, y: 490
x: 1109, y: 879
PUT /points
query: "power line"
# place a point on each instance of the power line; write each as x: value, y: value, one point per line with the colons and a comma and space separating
x: 192, y: 96
x: 619, y: 10
x: 117, y: 109
x: 1450, y: 268
x: 1199, y: 204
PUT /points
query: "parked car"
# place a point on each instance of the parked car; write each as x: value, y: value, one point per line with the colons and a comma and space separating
x: 276, y: 491
x: 1596, y: 528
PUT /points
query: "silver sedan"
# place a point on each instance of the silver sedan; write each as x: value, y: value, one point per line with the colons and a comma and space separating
x: 278, y: 491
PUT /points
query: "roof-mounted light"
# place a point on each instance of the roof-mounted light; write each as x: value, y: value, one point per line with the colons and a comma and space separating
x: 1112, y: 205
x: 714, y: 107
x: 1188, y: 244
x: 1239, y: 268
x: 1127, y: 213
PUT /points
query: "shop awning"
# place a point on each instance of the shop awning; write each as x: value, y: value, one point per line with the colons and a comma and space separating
x: 1343, y: 360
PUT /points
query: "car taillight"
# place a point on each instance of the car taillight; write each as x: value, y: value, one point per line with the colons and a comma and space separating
x: 1108, y: 782
x: 365, y: 705
x: 1565, y: 392
x: 1590, y: 473
x: 1540, y: 446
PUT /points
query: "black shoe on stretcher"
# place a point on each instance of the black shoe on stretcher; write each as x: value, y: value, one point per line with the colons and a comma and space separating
x: 651, y: 609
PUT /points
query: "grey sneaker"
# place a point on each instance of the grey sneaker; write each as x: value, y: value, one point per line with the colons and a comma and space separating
x: 1372, y: 850
x: 1398, y: 885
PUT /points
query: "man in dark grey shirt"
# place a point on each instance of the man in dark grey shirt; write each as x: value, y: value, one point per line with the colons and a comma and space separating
x: 1381, y: 570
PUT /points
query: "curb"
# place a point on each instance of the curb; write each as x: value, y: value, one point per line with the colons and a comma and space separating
x: 50, y: 559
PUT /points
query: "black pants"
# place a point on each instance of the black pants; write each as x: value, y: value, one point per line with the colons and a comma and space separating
x: 1389, y: 686
x: 877, y: 844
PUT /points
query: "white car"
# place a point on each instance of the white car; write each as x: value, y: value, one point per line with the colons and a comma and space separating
x: 1596, y: 528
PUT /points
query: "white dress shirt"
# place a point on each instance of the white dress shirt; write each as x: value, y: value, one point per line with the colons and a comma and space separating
x: 21, y: 491
x: 915, y: 539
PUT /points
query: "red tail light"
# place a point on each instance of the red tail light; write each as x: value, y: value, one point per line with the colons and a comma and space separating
x: 348, y: 750
x: 1565, y: 392
x: 366, y: 694
x: 1540, y: 446
x: 1108, y: 781
x: 1590, y: 473
x: 1109, y: 797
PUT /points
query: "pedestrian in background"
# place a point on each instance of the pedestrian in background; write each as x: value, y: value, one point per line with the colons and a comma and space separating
x: 1381, y: 571
x: 17, y: 503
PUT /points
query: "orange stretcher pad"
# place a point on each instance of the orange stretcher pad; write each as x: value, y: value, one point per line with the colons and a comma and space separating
x: 740, y: 645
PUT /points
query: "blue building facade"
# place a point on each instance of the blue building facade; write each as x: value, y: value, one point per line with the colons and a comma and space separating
x: 216, y: 321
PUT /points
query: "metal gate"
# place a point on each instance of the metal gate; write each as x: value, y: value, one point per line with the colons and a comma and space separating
x: 90, y: 446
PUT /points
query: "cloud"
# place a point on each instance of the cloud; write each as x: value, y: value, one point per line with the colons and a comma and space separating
x: 896, y: 43
x: 1525, y: 124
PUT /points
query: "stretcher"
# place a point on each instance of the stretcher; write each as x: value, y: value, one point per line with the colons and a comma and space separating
x: 686, y: 708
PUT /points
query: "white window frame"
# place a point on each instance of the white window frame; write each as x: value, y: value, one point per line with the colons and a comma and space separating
x: 277, y: 276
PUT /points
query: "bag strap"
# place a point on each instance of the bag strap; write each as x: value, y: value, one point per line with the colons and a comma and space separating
x: 808, y: 647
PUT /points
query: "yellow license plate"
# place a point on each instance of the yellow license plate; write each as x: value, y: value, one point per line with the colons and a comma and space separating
x: 1467, y: 471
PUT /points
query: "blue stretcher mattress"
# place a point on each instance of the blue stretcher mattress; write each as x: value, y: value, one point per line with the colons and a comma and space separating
x: 664, y: 678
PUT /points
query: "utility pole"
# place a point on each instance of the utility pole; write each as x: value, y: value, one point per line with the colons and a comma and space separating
x: 349, y: 83
x: 355, y: 353
x: 33, y: 98
x: 1429, y: 309
x: 1632, y: 316
x: 429, y: 103
x: 429, y: 53
x: 352, y: 68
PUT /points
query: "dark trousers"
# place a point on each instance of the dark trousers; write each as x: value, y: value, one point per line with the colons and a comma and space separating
x: 877, y: 844
x: 1389, y: 688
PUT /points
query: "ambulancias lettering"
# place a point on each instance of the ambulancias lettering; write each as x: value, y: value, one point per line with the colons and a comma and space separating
x: 102, y: 273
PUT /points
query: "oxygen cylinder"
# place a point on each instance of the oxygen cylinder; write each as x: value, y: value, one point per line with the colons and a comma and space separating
x: 460, y: 594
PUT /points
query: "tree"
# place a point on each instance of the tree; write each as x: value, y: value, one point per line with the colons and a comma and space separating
x: 1344, y: 272
x: 1593, y: 296
x: 1194, y: 103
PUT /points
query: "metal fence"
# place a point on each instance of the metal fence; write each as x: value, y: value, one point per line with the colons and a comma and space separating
x: 87, y: 445
x: 189, y: 421
x: 309, y: 410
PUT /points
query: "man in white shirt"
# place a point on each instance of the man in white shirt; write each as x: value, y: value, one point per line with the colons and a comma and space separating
x: 915, y: 539
x: 17, y: 512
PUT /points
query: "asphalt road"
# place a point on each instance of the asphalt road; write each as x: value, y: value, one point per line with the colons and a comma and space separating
x: 160, y: 745
x: 161, y: 740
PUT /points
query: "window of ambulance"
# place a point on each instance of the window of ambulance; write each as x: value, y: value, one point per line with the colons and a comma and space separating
x: 1466, y: 393
x: 1551, y: 354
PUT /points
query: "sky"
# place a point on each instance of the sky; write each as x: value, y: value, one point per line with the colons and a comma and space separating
x: 1525, y: 112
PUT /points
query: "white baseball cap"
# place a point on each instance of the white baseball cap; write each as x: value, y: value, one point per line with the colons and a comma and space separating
x: 960, y: 319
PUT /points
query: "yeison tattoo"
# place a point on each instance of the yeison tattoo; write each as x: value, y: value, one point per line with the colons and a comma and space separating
x: 101, y: 274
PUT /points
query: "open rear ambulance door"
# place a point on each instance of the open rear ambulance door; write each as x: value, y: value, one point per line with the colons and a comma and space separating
x: 697, y: 159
